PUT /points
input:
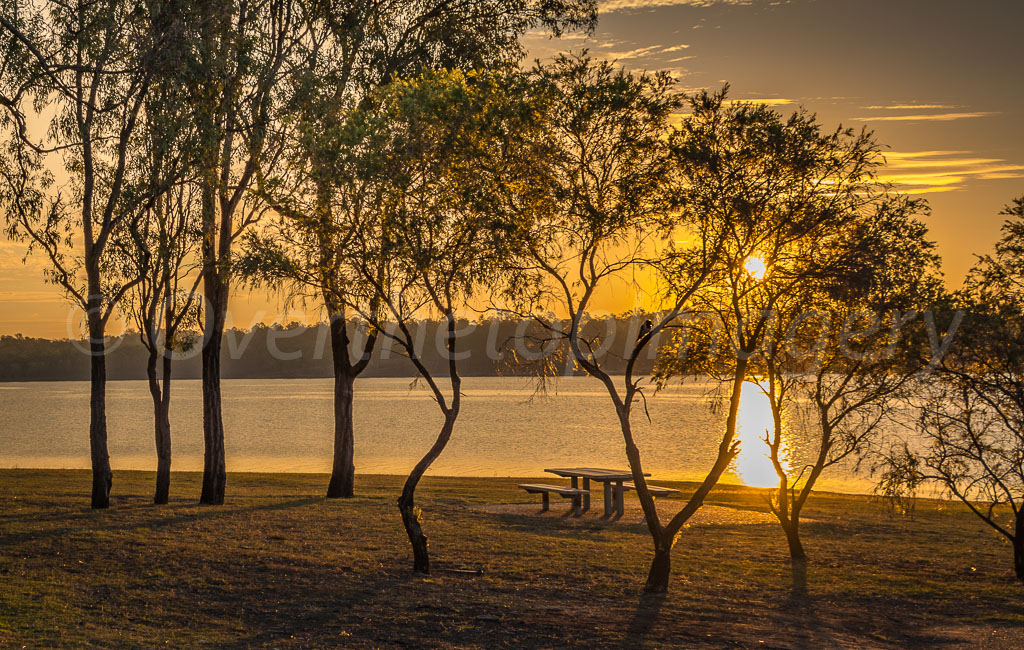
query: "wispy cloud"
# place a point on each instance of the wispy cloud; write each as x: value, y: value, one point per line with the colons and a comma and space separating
x: 927, y: 172
x: 638, y: 53
x: 609, y: 6
x: 641, y: 52
x: 925, y: 117
x: 910, y: 107
x: 768, y: 101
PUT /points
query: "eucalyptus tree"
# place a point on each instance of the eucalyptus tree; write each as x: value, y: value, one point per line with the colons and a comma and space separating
x: 164, y: 304
x: 353, y: 49
x: 600, y: 206
x: 436, y: 153
x: 971, y: 413
x: 780, y: 196
x: 240, y: 55
x: 304, y: 252
x: 844, y: 351
x: 75, y: 80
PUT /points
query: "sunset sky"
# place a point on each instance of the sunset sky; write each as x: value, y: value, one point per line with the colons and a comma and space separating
x: 939, y: 81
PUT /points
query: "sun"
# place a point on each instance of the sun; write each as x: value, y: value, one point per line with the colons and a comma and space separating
x: 755, y: 267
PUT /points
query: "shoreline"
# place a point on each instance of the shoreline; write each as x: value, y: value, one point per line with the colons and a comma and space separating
x: 685, y: 485
x: 730, y: 482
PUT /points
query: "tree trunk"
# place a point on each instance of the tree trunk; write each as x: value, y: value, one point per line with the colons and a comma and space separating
x: 661, y: 569
x: 411, y: 521
x: 796, y: 547
x: 1018, y: 546
x: 214, y: 471
x: 343, y: 474
x: 161, y: 425
x: 163, y: 457
x: 664, y: 540
x: 407, y: 502
x: 102, y: 477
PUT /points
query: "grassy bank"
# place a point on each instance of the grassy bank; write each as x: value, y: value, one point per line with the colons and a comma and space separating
x: 278, y: 565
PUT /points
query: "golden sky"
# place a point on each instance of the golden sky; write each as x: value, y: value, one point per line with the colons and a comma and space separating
x: 939, y: 81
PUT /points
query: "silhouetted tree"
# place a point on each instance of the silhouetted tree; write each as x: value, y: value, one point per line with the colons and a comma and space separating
x: 845, y: 347
x: 304, y: 252
x: 781, y: 196
x: 353, y: 49
x: 164, y: 305
x: 603, y: 186
x: 972, y: 406
x: 86, y: 71
x: 430, y: 234
x: 238, y: 56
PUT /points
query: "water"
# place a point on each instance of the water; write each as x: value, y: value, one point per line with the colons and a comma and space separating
x: 286, y: 425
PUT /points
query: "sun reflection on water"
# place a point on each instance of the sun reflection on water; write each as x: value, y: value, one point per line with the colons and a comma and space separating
x: 754, y: 420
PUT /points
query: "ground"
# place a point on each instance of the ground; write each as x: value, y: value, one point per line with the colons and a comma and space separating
x: 280, y: 566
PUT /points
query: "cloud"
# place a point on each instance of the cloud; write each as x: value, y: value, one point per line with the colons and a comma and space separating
x: 768, y: 101
x: 928, y: 172
x: 913, y: 155
x: 609, y: 6
x: 639, y: 53
x: 642, y: 52
x: 910, y: 107
x: 925, y: 117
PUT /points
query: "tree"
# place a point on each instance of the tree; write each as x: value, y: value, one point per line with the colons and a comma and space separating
x: 845, y: 348
x: 972, y: 409
x: 603, y: 187
x: 781, y: 196
x: 353, y: 50
x: 164, y: 304
x: 237, y: 57
x: 306, y: 254
x: 87, y: 71
x: 430, y: 233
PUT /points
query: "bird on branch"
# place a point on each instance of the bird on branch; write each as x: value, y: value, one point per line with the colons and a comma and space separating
x: 645, y: 329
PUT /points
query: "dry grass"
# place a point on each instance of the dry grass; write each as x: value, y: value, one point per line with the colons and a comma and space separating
x: 280, y: 566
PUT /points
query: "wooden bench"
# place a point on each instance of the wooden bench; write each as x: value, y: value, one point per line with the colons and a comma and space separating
x: 655, y: 490
x: 567, y: 493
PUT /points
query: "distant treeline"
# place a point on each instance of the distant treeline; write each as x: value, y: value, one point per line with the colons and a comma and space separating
x: 490, y: 347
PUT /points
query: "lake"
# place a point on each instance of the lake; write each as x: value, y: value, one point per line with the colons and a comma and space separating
x: 285, y: 425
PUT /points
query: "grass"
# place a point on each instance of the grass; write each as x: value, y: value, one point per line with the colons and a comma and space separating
x: 280, y: 566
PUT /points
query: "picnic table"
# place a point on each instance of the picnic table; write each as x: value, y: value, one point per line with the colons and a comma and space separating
x: 609, y: 477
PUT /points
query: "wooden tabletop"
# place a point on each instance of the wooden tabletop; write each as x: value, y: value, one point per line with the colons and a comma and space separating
x: 594, y: 473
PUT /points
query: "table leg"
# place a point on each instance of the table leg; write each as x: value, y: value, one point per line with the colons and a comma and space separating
x: 620, y: 501
x: 586, y: 497
x: 574, y: 483
x: 607, y: 498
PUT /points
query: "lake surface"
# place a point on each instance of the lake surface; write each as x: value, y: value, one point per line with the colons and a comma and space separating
x: 286, y: 425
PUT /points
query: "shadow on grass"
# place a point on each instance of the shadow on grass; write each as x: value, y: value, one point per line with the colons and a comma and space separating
x: 644, y: 617
x: 798, y: 590
x: 91, y: 520
x: 563, y: 525
x: 846, y: 620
